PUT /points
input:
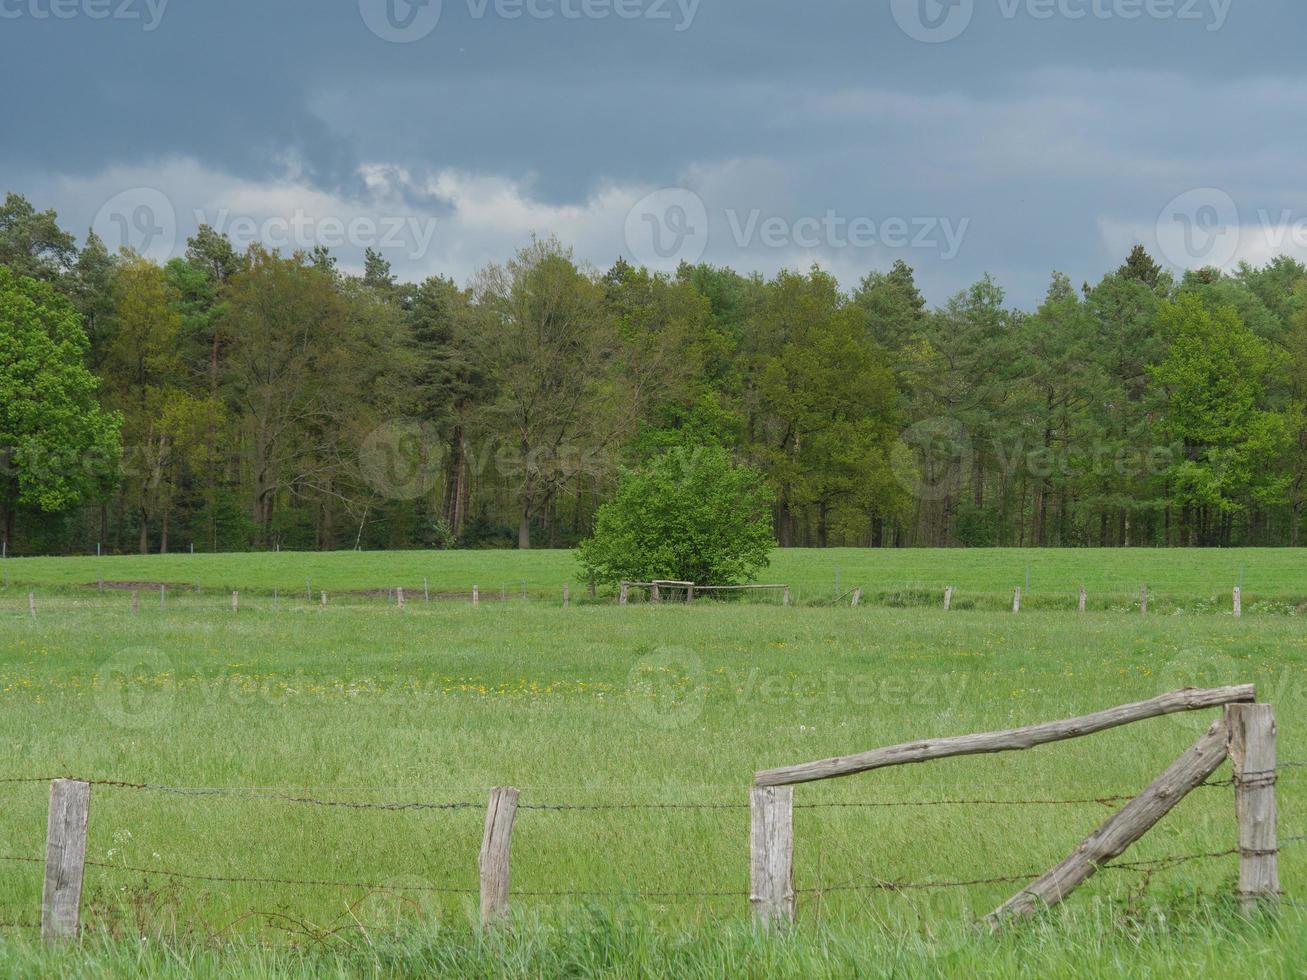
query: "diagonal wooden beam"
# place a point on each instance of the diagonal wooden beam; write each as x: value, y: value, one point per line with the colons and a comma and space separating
x: 1190, y: 699
x: 1125, y: 827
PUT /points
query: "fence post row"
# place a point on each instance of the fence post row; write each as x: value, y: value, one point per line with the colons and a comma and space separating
x: 496, y: 847
x: 1252, y: 752
x: 771, y: 855
x: 65, y: 859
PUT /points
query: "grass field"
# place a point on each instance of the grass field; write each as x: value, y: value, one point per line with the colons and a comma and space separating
x: 981, y: 576
x: 647, y: 705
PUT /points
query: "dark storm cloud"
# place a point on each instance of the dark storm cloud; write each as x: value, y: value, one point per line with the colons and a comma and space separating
x: 1058, y: 129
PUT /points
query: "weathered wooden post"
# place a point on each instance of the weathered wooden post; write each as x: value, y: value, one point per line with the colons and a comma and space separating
x: 567, y: 594
x: 496, y: 847
x: 857, y: 598
x: 1143, y: 600
x: 624, y: 594
x: 31, y: 603
x: 163, y: 596
x: 786, y: 600
x: 948, y: 598
x: 235, y: 601
x: 503, y: 594
x: 65, y: 859
x: 654, y: 594
x: 426, y: 590
x: 1252, y: 752
x: 399, y: 598
x: 323, y: 599
x: 1238, y: 602
x: 689, y: 595
x: 771, y: 855
x: 136, y: 602
x: 1016, y: 600
x: 1083, y: 598
x: 476, y: 596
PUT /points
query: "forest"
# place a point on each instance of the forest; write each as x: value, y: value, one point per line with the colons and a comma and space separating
x: 237, y: 401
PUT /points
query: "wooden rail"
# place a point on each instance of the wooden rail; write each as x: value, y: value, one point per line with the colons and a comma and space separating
x: 1190, y: 699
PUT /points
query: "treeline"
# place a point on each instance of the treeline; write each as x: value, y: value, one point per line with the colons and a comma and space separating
x: 235, y: 401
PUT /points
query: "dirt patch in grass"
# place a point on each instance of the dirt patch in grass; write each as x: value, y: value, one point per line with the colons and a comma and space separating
x: 139, y: 586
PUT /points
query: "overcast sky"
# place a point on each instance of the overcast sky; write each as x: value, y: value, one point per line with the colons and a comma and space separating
x: 963, y: 136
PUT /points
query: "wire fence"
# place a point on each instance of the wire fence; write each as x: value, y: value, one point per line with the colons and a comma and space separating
x: 32, y: 600
x: 866, y: 884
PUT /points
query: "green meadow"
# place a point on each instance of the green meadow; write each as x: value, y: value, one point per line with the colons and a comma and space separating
x: 633, y: 734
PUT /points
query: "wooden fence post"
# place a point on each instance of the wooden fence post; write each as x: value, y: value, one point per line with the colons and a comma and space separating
x: 1143, y: 600
x: 503, y: 594
x: 771, y: 855
x: 476, y: 596
x: 65, y: 859
x: 426, y: 590
x: 624, y: 594
x: 31, y: 603
x: 1238, y: 602
x: 163, y: 596
x: 399, y: 598
x: 1016, y: 600
x: 1252, y: 751
x: 689, y: 595
x: 948, y: 598
x: 496, y: 846
x: 654, y: 594
x: 235, y: 601
x: 786, y: 600
x: 857, y: 598
x: 136, y: 602
x: 1083, y: 598
x: 567, y: 594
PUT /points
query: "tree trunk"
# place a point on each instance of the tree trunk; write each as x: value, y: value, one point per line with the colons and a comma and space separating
x: 524, y: 530
x: 163, y: 533
x: 145, y: 531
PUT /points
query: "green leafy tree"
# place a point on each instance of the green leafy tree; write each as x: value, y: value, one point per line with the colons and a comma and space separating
x: 32, y: 243
x: 690, y: 515
x: 57, y: 448
x: 1213, y: 378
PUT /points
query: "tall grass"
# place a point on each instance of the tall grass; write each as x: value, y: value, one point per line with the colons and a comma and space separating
x: 598, y: 705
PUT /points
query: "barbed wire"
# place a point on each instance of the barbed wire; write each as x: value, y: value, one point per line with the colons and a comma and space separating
x: 1109, y: 800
